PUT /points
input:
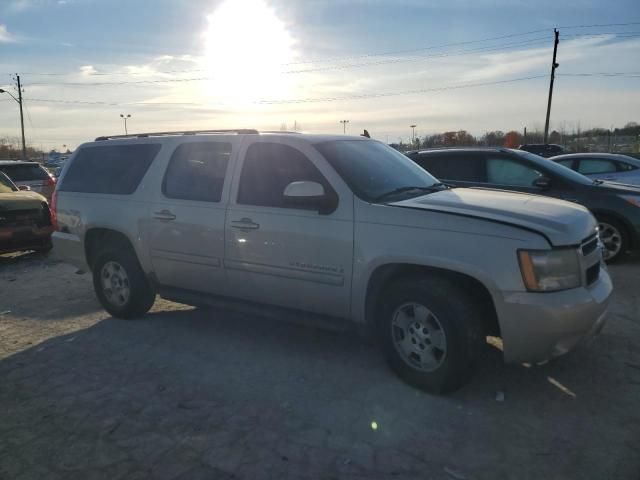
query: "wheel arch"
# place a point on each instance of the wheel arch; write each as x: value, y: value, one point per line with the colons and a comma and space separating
x: 634, y: 241
x: 97, y: 238
x: 385, y: 274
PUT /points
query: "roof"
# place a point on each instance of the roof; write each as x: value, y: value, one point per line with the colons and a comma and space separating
x: 242, y: 131
x: 458, y: 149
x: 17, y: 162
x: 610, y: 156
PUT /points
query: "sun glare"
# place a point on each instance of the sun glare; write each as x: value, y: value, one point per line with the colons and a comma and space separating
x: 246, y: 49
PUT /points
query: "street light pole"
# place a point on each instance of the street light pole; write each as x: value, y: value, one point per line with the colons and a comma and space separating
x: 344, y: 125
x: 413, y: 133
x: 19, y: 101
x: 125, y: 122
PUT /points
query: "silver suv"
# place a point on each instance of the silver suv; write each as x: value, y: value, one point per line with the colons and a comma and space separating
x: 338, y: 230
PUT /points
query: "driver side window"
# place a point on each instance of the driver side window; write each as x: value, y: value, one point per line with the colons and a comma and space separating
x: 267, y: 170
x: 505, y: 171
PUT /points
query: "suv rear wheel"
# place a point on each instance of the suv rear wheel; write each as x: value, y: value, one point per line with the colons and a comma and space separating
x: 120, y: 284
x: 431, y: 332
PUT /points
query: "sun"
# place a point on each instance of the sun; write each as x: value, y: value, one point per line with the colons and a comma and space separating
x: 247, y: 48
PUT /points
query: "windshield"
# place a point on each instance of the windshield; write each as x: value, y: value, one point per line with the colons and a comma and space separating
x: 556, y: 168
x: 5, y: 184
x: 372, y: 169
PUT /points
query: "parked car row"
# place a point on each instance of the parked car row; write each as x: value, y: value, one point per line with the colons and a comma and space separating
x: 346, y: 231
x: 25, y: 219
x: 616, y: 206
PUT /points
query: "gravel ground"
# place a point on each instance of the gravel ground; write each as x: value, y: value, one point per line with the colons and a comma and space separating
x: 190, y: 393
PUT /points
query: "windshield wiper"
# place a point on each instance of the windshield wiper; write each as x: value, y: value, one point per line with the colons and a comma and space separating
x: 436, y: 187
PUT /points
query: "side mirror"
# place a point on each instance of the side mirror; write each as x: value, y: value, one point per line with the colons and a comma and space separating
x: 309, y: 195
x: 24, y: 188
x: 542, y: 182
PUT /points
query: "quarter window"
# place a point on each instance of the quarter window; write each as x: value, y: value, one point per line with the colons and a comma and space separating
x: 196, y: 171
x: 504, y: 171
x: 110, y: 169
x: 268, y: 169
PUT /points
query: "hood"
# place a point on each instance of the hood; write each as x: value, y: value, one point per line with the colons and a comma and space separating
x: 563, y: 223
x: 21, y: 201
x: 617, y: 187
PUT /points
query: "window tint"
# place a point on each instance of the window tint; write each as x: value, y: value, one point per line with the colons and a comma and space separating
x: 625, y: 167
x: 112, y: 169
x: 566, y: 163
x: 504, y: 171
x: 24, y: 172
x: 463, y: 168
x: 196, y: 171
x: 371, y: 168
x: 592, y: 166
x: 5, y: 184
x: 268, y: 169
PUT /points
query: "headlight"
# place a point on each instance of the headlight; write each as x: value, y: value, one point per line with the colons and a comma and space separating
x: 550, y: 270
x: 632, y: 199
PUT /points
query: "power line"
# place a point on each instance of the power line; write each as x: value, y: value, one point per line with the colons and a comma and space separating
x: 301, y: 100
x: 599, y: 25
x: 538, y: 40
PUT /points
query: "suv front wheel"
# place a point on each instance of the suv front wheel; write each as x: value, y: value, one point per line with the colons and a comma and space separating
x: 431, y: 332
x: 120, y: 284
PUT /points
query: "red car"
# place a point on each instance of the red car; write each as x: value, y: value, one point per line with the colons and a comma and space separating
x: 25, y: 219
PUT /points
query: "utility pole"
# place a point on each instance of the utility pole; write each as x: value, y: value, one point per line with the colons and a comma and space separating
x: 554, y: 65
x: 413, y: 133
x: 344, y: 125
x: 24, y: 144
x: 524, y: 140
x: 125, y: 122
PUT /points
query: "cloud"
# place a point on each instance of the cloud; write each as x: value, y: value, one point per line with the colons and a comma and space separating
x: 5, y: 36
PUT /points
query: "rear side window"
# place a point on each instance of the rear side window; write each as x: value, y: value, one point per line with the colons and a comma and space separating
x: 593, y: 166
x: 111, y: 169
x: 268, y: 169
x: 626, y: 167
x: 566, y: 163
x: 24, y: 172
x: 463, y: 168
x: 196, y: 171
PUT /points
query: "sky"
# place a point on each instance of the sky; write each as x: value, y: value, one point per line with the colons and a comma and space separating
x: 476, y: 65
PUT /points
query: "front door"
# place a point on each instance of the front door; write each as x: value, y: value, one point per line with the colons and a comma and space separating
x: 188, y: 215
x: 282, y: 255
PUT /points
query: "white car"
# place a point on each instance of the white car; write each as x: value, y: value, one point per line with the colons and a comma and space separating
x: 333, y: 229
x: 613, y: 167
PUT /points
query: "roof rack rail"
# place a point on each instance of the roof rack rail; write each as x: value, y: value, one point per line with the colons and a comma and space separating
x: 182, y: 132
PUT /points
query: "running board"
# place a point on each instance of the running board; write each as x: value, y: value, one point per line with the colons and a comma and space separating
x: 199, y: 299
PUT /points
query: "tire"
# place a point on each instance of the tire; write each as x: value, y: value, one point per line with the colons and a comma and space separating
x: 614, y: 236
x: 445, y: 350
x: 120, y: 284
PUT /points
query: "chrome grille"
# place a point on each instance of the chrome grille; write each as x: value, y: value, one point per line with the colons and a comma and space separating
x: 591, y: 258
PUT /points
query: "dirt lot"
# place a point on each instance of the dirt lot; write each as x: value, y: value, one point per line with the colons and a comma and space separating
x: 201, y: 394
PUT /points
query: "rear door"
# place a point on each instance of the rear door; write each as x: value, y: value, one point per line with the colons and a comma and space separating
x: 279, y: 254
x: 187, y: 216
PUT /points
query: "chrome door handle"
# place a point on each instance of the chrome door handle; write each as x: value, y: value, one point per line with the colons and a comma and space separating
x: 245, y: 224
x: 164, y: 215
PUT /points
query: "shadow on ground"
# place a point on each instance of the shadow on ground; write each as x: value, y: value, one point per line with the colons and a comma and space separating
x: 212, y: 394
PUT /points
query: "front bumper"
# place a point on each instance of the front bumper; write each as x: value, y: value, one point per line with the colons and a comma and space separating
x: 15, y: 239
x: 536, y: 327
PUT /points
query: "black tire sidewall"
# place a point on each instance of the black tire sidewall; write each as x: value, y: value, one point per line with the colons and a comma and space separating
x: 624, y: 236
x: 463, y: 332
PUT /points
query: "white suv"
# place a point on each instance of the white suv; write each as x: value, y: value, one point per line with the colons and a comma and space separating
x: 334, y: 229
